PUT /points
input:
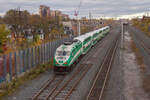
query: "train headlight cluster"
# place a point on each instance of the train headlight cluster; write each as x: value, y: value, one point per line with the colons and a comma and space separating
x: 65, y: 63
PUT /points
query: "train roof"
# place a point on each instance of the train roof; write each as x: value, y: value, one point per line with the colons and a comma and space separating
x: 91, y: 33
x: 67, y: 46
x: 104, y: 27
x: 86, y: 35
x: 82, y: 37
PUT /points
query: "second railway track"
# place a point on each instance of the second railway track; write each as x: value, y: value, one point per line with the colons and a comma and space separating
x: 97, y: 89
x: 141, y: 42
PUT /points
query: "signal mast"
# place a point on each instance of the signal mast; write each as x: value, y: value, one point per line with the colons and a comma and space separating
x: 78, y: 21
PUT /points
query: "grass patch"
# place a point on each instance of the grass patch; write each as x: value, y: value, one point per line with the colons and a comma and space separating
x: 7, y: 89
x: 140, y: 61
x: 139, y: 57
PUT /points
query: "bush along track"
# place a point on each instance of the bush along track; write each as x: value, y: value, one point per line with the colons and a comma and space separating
x: 139, y: 58
x: 8, y: 88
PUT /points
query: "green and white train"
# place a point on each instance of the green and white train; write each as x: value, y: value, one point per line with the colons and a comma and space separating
x: 69, y: 52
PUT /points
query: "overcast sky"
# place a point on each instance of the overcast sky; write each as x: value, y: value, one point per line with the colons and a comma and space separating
x: 98, y: 8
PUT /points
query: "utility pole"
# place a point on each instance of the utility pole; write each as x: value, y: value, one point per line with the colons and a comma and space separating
x: 78, y: 21
x: 90, y: 18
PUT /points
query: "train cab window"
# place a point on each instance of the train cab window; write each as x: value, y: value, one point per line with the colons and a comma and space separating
x: 62, y: 53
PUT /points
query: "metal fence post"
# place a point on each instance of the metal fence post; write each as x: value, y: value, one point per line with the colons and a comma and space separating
x: 37, y: 55
x: 35, y: 64
x: 41, y: 56
x: 33, y: 53
x: 43, y: 53
x: 50, y: 50
x: 36, y: 50
x: 54, y: 46
x: 10, y: 66
x: 27, y: 59
x: 32, y: 57
x: 24, y: 60
x: 21, y: 61
x: 1, y: 69
x: 5, y: 66
x: 15, y: 57
x: 46, y: 53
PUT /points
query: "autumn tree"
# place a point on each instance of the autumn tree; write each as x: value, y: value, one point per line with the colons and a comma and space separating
x: 17, y: 19
x: 3, y: 36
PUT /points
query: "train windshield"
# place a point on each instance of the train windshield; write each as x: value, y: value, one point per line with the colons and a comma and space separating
x: 62, y: 53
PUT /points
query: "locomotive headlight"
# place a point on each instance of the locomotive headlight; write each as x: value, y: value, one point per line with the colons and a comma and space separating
x: 65, y: 63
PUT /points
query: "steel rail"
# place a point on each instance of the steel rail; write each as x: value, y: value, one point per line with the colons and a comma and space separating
x: 64, y: 85
x: 47, y: 85
x: 107, y: 56
x: 75, y: 85
x: 146, y: 48
x: 107, y: 75
x: 44, y: 87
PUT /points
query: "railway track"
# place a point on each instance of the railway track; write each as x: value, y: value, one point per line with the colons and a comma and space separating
x: 58, y: 88
x: 97, y: 89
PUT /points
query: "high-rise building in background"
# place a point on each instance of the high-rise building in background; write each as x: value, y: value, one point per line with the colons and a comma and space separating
x: 44, y: 11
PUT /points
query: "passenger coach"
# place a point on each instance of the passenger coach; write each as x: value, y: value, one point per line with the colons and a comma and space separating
x: 69, y: 52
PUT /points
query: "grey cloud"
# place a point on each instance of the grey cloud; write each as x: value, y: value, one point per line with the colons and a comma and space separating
x: 110, y: 8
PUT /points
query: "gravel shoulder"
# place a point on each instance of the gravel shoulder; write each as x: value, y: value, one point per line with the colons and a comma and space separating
x: 132, y: 75
x: 125, y: 81
x: 146, y: 40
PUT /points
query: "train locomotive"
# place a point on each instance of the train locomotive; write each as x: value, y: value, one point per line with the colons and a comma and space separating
x: 69, y: 52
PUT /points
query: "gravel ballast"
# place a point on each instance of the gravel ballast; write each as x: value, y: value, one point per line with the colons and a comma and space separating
x: 125, y: 81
